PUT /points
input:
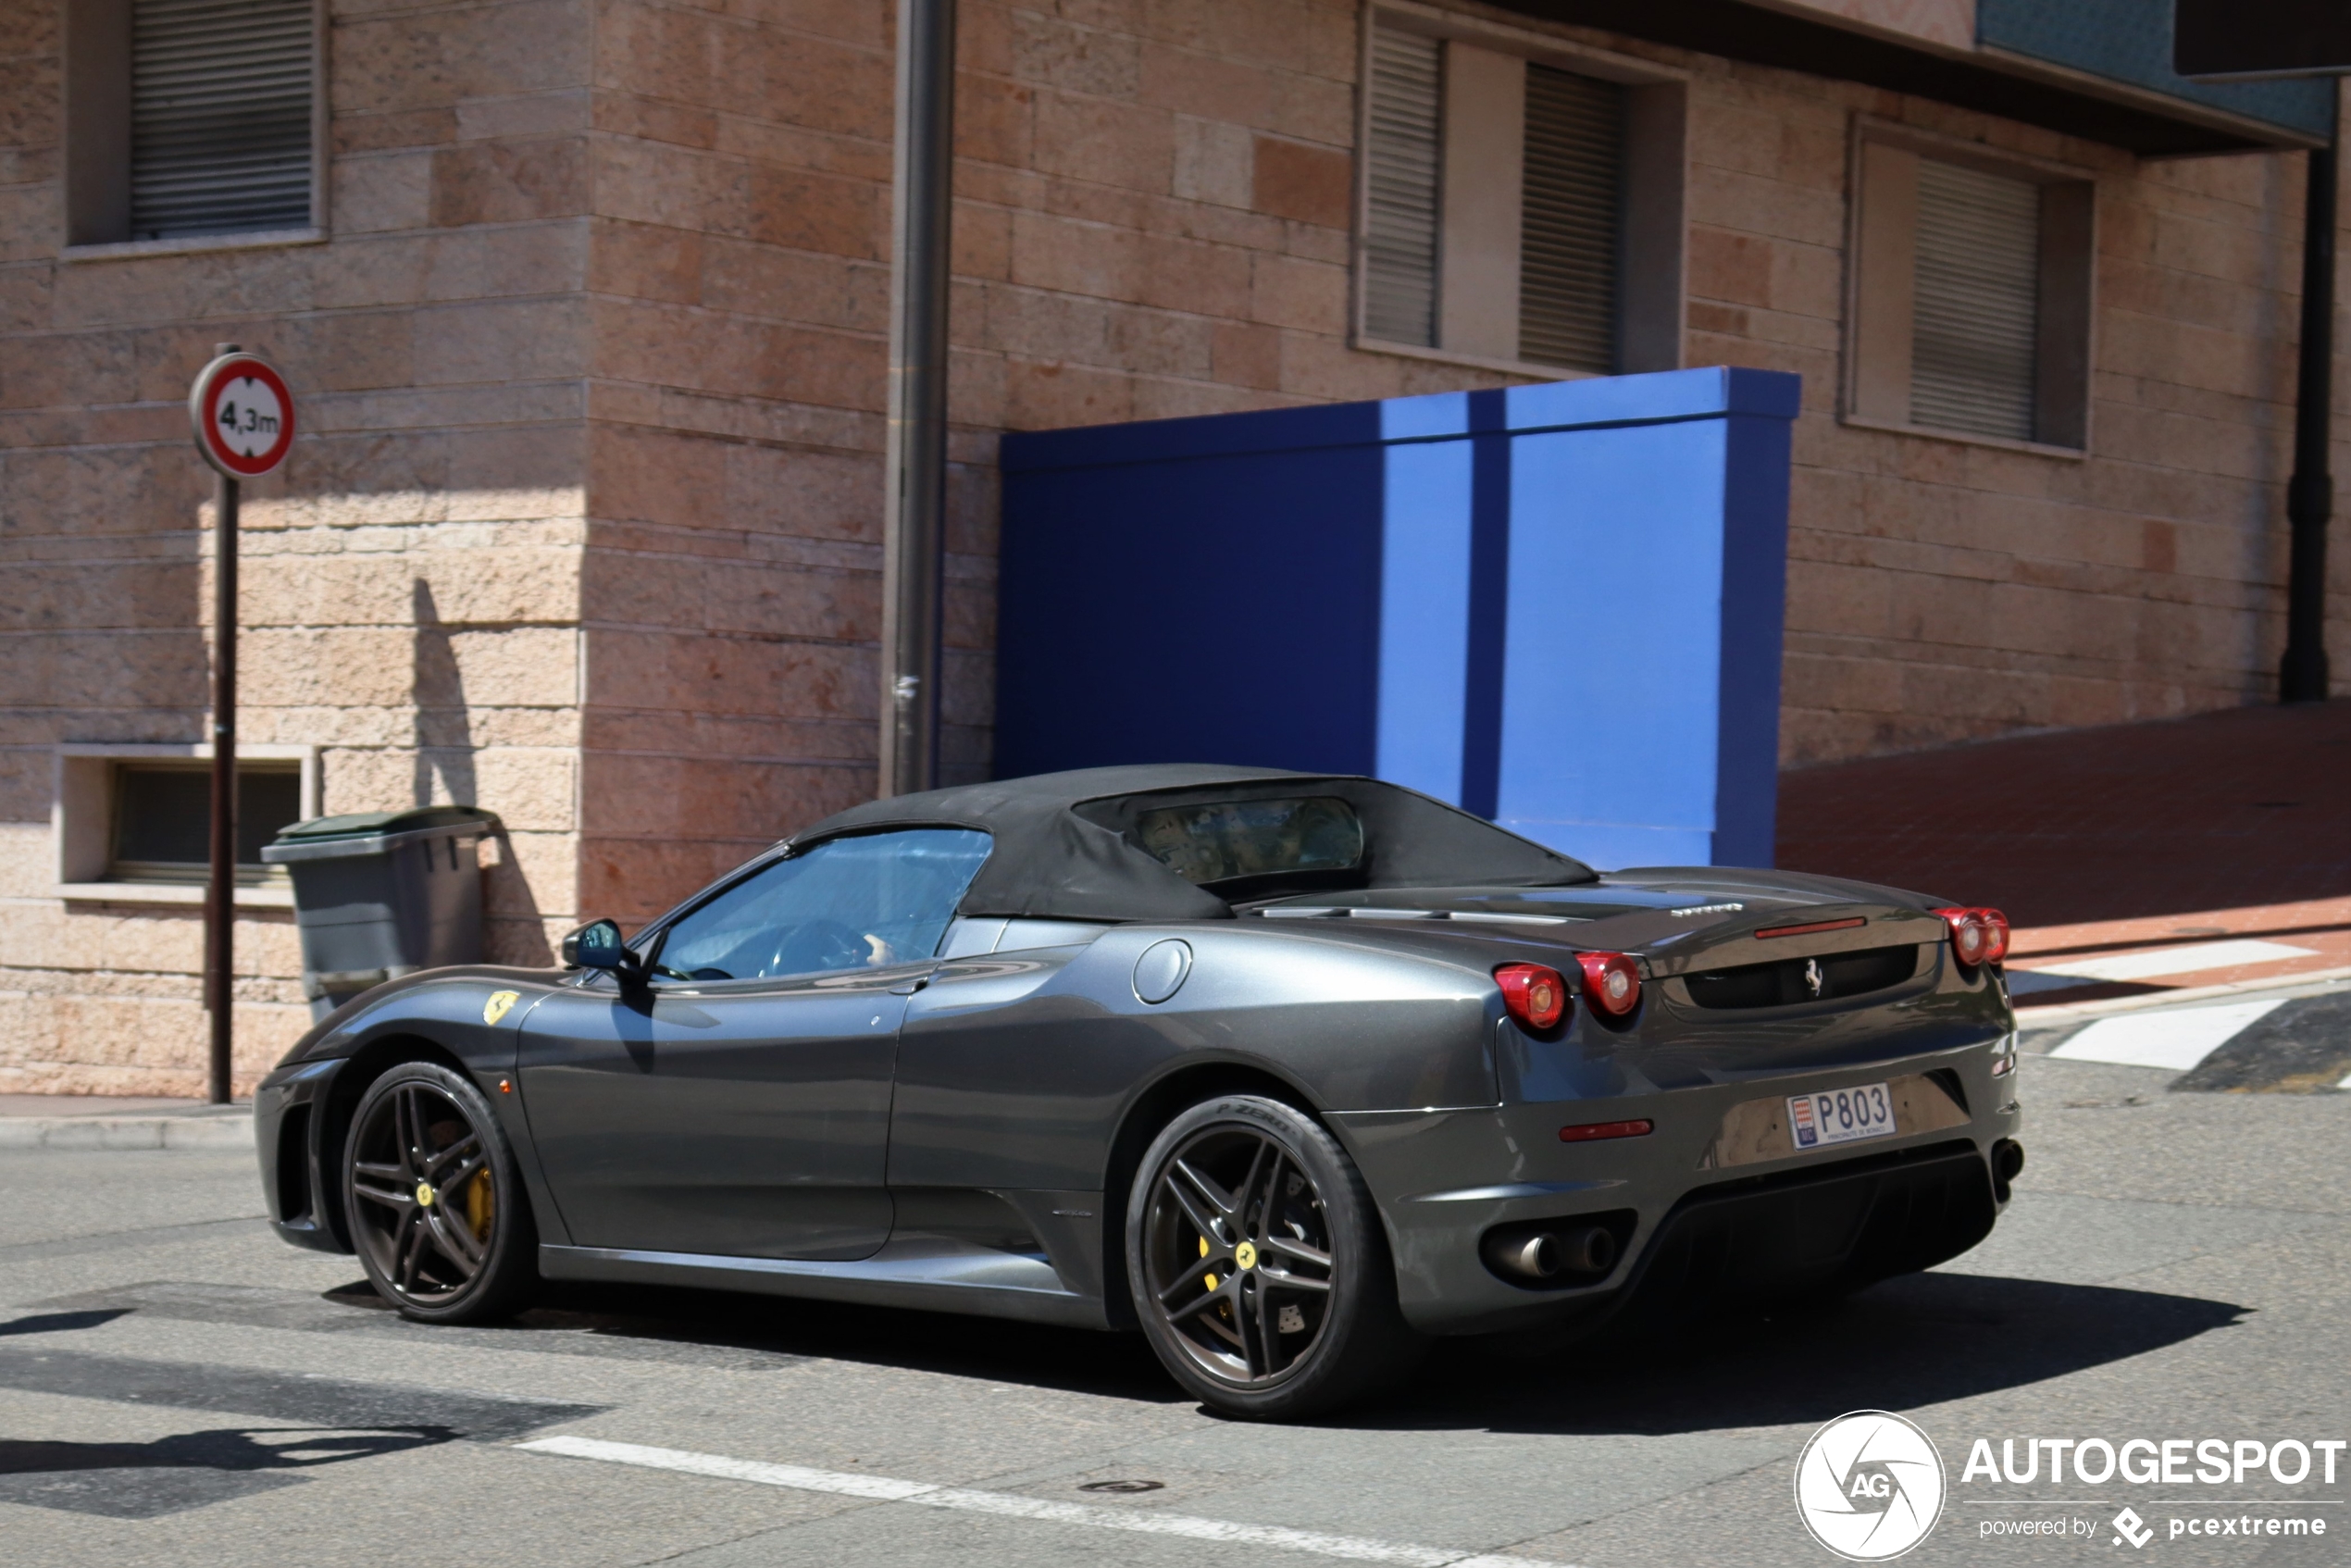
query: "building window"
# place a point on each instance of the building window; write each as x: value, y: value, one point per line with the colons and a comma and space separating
x: 163, y: 819
x: 1568, y: 231
x: 134, y: 823
x: 192, y: 118
x: 1971, y: 299
x: 1400, y: 245
x: 1519, y: 210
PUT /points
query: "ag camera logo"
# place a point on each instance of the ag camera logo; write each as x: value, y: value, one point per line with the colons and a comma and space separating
x: 1869, y: 1485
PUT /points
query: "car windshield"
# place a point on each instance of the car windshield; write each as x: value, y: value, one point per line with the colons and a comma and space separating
x: 1224, y: 841
x: 847, y: 904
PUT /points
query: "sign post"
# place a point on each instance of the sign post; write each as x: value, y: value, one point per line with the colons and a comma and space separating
x: 244, y: 422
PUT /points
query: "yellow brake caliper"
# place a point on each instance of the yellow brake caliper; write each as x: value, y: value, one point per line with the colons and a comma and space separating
x: 1210, y: 1280
x: 481, y: 1199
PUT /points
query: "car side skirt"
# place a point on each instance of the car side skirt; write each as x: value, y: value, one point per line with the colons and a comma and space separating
x: 984, y: 1282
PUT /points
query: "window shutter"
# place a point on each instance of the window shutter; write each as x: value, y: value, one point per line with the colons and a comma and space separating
x: 221, y: 133
x: 1574, y: 200
x: 1399, y: 242
x: 1977, y: 302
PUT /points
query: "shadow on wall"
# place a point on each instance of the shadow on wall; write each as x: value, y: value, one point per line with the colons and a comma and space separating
x: 444, y: 725
x: 513, y: 931
x: 2227, y: 810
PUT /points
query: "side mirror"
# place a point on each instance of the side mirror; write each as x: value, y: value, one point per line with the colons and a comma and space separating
x: 596, y: 945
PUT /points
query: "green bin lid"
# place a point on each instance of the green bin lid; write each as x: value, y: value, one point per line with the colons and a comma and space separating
x: 365, y: 823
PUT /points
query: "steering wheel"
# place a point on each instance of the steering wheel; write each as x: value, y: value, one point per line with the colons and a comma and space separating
x: 814, y: 945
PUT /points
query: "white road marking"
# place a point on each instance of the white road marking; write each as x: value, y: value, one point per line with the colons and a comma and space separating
x: 2189, y: 960
x: 885, y: 1488
x: 2345, y: 1083
x: 2178, y: 1038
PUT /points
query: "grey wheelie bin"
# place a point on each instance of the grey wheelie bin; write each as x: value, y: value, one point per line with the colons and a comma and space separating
x: 380, y: 894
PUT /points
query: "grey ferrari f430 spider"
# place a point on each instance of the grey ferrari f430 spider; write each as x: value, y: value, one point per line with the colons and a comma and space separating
x: 1290, y: 1072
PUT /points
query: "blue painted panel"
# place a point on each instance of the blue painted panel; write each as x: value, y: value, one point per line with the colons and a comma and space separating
x: 1557, y: 606
x: 1220, y: 609
x: 1609, y: 727
x: 1755, y: 465
x: 1425, y: 607
x: 1664, y: 394
x: 2131, y: 41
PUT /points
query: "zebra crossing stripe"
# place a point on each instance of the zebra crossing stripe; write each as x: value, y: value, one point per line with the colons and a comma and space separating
x: 2175, y: 1038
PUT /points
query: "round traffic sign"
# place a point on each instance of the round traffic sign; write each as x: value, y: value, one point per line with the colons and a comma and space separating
x: 243, y: 415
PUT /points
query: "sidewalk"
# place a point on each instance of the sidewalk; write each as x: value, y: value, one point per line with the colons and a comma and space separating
x: 78, y: 1121
x: 2136, y: 860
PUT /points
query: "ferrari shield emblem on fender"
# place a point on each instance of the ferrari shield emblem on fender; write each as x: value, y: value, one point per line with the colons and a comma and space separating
x: 1812, y: 981
x: 496, y: 1008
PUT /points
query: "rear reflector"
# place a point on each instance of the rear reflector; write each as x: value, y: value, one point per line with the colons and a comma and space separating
x: 1611, y: 983
x: 1592, y: 1132
x: 1816, y: 926
x: 1534, y: 994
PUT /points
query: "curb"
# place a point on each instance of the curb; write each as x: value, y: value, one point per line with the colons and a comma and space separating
x: 2030, y: 1018
x: 127, y: 1132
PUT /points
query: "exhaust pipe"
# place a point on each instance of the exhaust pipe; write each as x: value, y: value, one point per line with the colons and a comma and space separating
x: 1547, y: 1256
x: 2007, y: 1163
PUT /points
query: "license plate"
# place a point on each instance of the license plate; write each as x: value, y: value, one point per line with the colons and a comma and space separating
x: 1841, y: 1115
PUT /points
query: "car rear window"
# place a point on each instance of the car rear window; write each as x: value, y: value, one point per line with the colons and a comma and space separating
x: 1208, y: 843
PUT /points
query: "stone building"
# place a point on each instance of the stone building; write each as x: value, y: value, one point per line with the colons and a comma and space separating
x: 585, y: 307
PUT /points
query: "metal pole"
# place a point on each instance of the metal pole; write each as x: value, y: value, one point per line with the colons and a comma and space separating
x: 219, y: 932
x: 914, y: 483
x: 2309, y: 505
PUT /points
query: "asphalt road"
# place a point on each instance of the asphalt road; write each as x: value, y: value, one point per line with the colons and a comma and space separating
x: 178, y: 1388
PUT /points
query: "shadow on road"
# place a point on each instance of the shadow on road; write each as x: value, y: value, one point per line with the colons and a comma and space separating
x: 59, y: 1322
x: 1918, y: 1340
x: 187, y: 1469
x: 657, y: 1322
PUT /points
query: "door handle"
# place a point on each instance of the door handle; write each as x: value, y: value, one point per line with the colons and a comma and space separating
x: 908, y: 988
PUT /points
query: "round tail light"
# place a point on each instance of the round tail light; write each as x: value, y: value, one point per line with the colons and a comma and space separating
x: 1971, y: 938
x: 1535, y: 995
x: 1611, y: 983
x: 1995, y: 928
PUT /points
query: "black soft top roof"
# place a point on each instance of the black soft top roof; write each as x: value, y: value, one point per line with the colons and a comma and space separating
x: 1049, y: 860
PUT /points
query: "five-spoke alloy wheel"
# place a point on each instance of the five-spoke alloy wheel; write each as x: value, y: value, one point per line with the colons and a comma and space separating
x: 1257, y: 1262
x: 437, y: 1210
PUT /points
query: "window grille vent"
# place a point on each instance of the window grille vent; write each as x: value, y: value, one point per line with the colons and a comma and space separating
x: 1975, y: 319
x: 1573, y: 205
x: 1400, y: 270
x: 220, y: 134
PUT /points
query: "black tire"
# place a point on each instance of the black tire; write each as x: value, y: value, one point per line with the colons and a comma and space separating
x: 1259, y: 1265
x: 435, y: 1199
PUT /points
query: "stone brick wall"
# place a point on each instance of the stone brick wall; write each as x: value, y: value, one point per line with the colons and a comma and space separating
x: 1941, y: 590
x: 586, y: 526
x: 1152, y: 220
x: 410, y: 582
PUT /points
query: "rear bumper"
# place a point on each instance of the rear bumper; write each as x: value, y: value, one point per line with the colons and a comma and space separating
x: 1829, y: 1219
x: 1835, y: 1228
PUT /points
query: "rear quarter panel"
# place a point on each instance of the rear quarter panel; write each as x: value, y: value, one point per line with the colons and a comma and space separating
x: 1022, y: 1080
